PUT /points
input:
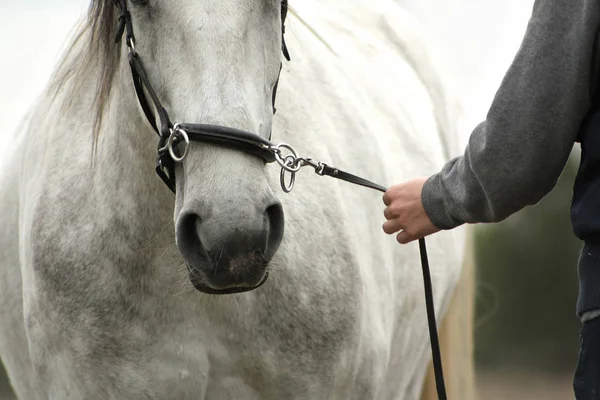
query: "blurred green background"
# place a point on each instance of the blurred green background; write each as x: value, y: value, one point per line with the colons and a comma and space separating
x: 526, y: 330
x: 527, y: 286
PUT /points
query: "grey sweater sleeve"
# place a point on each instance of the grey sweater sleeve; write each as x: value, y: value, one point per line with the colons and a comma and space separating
x: 515, y: 157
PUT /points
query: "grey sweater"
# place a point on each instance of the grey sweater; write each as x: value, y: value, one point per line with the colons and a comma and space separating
x: 515, y: 157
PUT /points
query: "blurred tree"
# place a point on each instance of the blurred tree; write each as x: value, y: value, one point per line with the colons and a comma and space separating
x: 527, y: 286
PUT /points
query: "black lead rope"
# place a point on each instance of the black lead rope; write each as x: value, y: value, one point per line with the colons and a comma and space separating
x: 170, y: 136
x: 431, y: 320
x: 433, y: 335
x: 292, y: 164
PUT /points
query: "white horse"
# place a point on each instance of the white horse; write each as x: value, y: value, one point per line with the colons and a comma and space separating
x: 99, y: 260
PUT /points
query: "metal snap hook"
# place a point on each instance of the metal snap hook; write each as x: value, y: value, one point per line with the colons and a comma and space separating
x: 175, y: 133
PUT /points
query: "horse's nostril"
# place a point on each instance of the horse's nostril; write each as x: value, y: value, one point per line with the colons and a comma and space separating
x: 275, y: 219
x: 188, y: 238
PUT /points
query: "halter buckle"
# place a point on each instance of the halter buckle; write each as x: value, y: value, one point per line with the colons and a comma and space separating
x: 131, y: 45
x: 166, y: 172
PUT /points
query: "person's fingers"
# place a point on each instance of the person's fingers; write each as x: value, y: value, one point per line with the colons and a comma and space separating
x: 405, y: 237
x: 386, y: 198
x: 392, y: 226
x: 389, y: 214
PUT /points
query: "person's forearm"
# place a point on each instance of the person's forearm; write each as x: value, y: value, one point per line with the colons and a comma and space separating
x: 516, y: 155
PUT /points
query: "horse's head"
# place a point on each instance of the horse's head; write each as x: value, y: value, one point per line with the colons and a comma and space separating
x: 217, y: 62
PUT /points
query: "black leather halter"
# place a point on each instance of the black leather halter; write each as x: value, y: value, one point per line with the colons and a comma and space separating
x: 170, y: 135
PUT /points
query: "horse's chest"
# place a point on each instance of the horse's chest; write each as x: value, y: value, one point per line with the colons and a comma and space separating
x: 190, y: 360
x: 107, y: 320
x: 100, y: 331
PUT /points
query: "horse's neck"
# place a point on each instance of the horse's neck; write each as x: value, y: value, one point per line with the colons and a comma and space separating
x: 114, y: 188
x: 134, y: 200
x: 126, y: 153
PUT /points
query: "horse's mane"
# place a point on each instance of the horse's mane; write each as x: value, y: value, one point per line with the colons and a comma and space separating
x: 91, y: 57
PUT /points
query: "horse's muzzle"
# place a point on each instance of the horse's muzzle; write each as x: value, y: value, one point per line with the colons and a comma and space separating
x: 229, y: 257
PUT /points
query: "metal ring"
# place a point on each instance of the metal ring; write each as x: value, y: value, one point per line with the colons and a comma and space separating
x: 287, y: 187
x: 292, y: 166
x: 174, y: 134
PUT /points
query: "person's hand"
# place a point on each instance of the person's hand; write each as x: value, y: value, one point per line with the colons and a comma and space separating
x: 405, y: 212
